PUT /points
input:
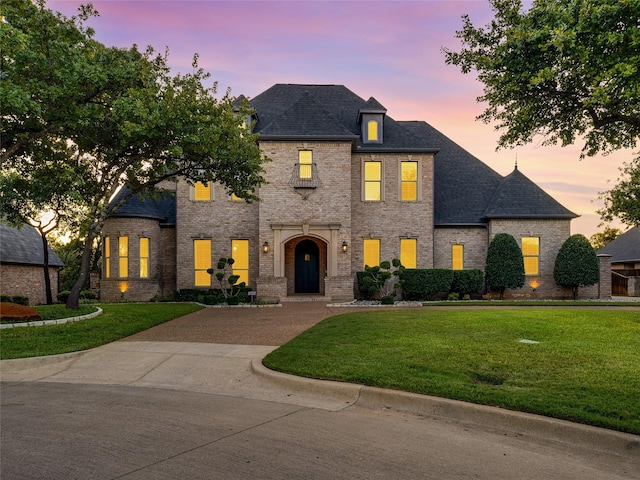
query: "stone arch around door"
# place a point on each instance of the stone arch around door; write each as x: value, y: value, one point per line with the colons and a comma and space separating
x: 305, y: 266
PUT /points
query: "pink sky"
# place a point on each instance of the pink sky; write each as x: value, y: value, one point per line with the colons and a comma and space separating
x: 390, y: 50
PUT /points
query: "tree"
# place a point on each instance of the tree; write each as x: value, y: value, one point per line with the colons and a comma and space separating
x: 505, y: 265
x: 600, y: 239
x: 623, y: 200
x: 560, y: 70
x: 576, y: 264
x: 108, y: 117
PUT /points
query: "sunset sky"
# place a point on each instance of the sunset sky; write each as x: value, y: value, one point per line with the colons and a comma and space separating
x: 390, y: 50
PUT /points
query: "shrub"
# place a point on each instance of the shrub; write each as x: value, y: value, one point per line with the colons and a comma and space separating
x: 425, y: 284
x: 88, y: 295
x: 373, y: 282
x: 63, y: 296
x: 576, y: 264
x: 467, y: 282
x: 19, y: 299
x: 505, y: 265
x: 453, y: 296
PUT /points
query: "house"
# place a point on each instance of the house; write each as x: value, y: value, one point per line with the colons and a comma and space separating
x: 347, y: 186
x: 625, y: 262
x: 22, y: 264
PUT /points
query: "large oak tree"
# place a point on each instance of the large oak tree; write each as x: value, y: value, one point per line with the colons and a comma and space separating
x: 562, y: 71
x: 111, y: 117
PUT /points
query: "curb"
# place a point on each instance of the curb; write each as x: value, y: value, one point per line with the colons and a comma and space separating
x: 61, y: 321
x: 516, y: 423
x: 18, y: 364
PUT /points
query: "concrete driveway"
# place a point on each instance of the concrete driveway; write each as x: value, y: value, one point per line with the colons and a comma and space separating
x: 204, y: 407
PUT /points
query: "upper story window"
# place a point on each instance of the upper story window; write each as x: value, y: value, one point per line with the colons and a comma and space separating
x: 123, y: 257
x: 409, y: 181
x: 372, y: 181
x: 531, y: 255
x: 202, y: 192
x: 372, y: 130
x: 107, y: 257
x: 305, y: 163
x: 457, y: 257
x: 235, y: 198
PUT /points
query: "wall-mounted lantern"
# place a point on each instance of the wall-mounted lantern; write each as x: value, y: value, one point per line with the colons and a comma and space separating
x: 265, y: 247
x: 345, y: 246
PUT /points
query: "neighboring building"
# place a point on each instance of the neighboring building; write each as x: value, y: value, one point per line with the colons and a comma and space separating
x: 22, y: 264
x: 347, y: 186
x: 625, y: 262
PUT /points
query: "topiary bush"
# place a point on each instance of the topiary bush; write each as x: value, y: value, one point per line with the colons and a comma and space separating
x: 373, y: 282
x: 505, y: 265
x: 576, y: 264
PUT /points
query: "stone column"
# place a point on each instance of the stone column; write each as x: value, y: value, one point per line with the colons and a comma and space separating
x: 604, y: 286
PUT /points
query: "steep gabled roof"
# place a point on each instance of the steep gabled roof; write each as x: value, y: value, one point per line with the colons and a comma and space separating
x: 325, y: 111
x: 463, y: 185
x: 162, y: 208
x: 23, y: 246
x: 518, y: 197
x: 625, y: 248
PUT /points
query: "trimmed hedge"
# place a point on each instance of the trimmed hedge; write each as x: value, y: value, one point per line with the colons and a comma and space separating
x: 425, y: 283
x: 19, y: 299
x: 467, y: 282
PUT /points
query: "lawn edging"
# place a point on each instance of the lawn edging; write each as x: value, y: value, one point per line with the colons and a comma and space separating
x: 515, y: 423
x: 59, y: 321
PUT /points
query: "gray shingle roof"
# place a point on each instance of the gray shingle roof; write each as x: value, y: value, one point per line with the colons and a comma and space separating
x: 518, y: 197
x: 625, y: 248
x: 466, y: 191
x: 162, y: 208
x: 23, y: 246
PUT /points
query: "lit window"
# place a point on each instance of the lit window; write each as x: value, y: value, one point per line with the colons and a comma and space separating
x: 107, y: 257
x: 373, y: 181
x: 531, y: 255
x: 144, y: 257
x: 409, y: 181
x: 457, y: 257
x: 202, y: 262
x: 372, y: 252
x: 408, y: 252
x: 202, y: 192
x: 372, y: 131
x: 240, y: 255
x: 235, y: 198
x: 123, y: 256
x: 305, y: 161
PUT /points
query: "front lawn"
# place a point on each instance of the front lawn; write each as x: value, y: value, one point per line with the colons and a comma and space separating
x: 117, y: 321
x: 585, y: 367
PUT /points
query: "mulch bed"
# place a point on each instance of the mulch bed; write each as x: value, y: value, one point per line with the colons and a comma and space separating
x: 14, y: 313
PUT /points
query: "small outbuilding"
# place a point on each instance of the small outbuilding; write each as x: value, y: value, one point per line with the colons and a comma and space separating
x: 625, y: 262
x: 22, y: 264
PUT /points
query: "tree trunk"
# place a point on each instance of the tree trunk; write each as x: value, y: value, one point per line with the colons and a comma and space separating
x: 74, y: 297
x: 47, y: 279
x: 575, y: 292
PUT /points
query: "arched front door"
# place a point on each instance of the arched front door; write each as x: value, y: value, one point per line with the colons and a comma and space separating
x: 307, y: 258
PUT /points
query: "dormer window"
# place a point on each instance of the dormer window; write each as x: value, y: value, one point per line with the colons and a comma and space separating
x: 371, y: 120
x: 372, y: 130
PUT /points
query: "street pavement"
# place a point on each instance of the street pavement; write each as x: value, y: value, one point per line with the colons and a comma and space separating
x: 156, y: 409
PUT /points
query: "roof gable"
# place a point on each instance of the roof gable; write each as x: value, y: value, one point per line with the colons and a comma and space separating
x: 518, y: 197
x: 625, y: 248
x: 23, y: 246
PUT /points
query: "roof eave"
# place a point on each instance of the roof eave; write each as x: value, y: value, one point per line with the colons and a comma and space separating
x: 382, y: 149
x: 551, y: 216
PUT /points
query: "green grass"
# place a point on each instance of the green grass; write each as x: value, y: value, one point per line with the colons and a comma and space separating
x: 585, y: 369
x: 116, y: 322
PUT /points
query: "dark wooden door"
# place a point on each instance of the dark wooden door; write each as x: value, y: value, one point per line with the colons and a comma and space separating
x: 307, y: 258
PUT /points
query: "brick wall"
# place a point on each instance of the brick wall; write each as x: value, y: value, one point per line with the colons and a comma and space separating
x: 28, y: 281
x: 392, y: 219
x: 473, y: 239
x: 552, y: 234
